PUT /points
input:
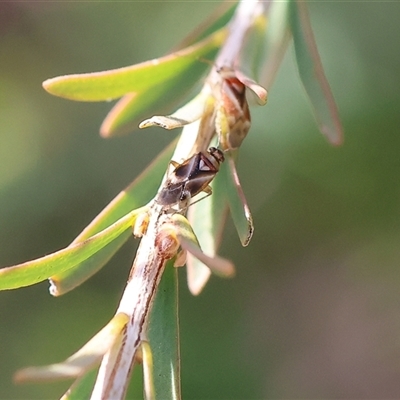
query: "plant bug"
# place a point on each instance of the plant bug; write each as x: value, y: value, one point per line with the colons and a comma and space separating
x: 233, y: 115
x: 190, y: 178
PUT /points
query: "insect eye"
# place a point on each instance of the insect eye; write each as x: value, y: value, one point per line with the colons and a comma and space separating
x: 217, y: 154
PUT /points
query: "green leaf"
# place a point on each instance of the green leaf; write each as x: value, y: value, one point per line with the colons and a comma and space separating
x: 134, y: 108
x: 131, y: 109
x: 69, y: 279
x: 275, y: 42
x: 220, y: 266
x: 38, y: 270
x: 188, y: 241
x: 207, y: 218
x: 148, y: 370
x: 146, y: 76
x: 200, y: 217
x: 190, y: 112
x: 83, y: 360
x: 139, y: 192
x: 163, y: 335
x: 312, y: 74
x: 238, y: 206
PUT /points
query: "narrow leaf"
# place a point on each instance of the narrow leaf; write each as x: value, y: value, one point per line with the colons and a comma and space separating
x: 38, y: 270
x: 188, y: 241
x: 83, y: 360
x: 69, y: 279
x: 107, y: 85
x: 163, y: 337
x: 126, y: 114
x: 220, y: 266
x: 207, y: 218
x: 148, y: 371
x: 200, y: 217
x: 134, y: 108
x: 238, y: 207
x: 275, y: 42
x: 187, y: 114
x: 258, y: 90
x: 312, y: 74
x: 139, y: 192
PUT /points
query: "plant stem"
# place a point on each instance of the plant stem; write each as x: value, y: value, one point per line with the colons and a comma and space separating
x: 149, y: 264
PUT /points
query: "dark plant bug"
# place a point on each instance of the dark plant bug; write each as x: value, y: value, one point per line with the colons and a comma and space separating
x: 190, y: 178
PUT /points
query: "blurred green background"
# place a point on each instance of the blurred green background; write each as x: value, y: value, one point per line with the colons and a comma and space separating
x: 314, y: 311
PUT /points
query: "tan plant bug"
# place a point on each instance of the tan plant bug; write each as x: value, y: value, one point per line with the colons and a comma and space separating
x: 233, y: 116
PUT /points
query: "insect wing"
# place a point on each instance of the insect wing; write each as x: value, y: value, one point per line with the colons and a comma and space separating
x: 199, y: 183
x: 185, y: 170
x: 171, y: 193
x: 174, y: 186
x: 203, y: 174
x: 191, y: 177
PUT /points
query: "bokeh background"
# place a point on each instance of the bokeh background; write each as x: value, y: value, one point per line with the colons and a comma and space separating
x: 314, y: 311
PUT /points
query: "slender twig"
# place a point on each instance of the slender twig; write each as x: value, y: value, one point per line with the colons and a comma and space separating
x: 149, y: 263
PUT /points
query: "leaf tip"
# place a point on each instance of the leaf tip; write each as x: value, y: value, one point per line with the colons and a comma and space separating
x: 334, y: 136
x: 48, y: 84
x: 116, y: 122
x: 245, y: 239
x: 105, y: 131
x: 20, y: 377
x: 53, y: 289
